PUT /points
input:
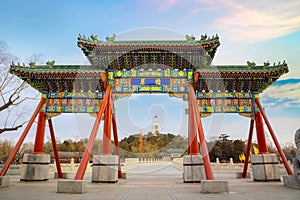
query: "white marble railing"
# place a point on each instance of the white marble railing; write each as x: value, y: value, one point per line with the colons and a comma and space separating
x: 131, y: 163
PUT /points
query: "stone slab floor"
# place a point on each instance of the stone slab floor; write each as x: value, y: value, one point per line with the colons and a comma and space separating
x: 151, y: 182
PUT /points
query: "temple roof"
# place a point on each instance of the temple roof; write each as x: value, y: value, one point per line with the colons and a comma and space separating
x: 110, y: 41
x: 87, y: 77
x: 143, y: 42
x: 245, y: 68
x: 55, y: 69
x: 126, y: 54
x: 65, y: 69
x: 150, y: 55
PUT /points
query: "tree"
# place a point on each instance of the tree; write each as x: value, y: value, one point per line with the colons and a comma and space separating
x: 12, y: 91
x: 224, y: 148
x: 25, y: 148
x: 239, y: 147
x: 5, y: 148
x: 153, y: 145
x: 35, y: 58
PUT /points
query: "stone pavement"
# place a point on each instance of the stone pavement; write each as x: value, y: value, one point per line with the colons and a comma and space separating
x: 151, y: 182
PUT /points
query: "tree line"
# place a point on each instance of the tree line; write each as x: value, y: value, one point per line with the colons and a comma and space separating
x: 154, y: 146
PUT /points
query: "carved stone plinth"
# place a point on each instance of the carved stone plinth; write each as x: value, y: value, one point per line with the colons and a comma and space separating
x: 265, y: 167
x: 238, y: 175
x: 4, y: 181
x: 193, y: 169
x: 71, y: 186
x: 35, y: 167
x: 105, y: 168
x: 214, y: 186
x: 292, y: 181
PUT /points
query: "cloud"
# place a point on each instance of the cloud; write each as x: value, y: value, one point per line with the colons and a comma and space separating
x: 166, y: 4
x: 254, y: 21
x: 243, y: 21
x: 283, y: 94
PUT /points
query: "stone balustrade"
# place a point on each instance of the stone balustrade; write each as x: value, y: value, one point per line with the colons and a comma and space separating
x: 131, y: 163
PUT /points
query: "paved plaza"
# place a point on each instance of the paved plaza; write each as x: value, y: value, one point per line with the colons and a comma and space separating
x: 161, y: 181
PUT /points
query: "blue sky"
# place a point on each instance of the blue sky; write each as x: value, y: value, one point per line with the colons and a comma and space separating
x: 249, y: 30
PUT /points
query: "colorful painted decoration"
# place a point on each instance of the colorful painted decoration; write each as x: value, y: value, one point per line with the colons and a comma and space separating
x: 150, y: 67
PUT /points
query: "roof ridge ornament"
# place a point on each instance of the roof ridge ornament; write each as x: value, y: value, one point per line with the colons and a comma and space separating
x: 32, y: 64
x: 50, y: 63
x: 266, y: 64
x: 251, y: 64
x: 94, y: 38
x: 111, y: 38
x: 190, y: 38
x: 203, y: 37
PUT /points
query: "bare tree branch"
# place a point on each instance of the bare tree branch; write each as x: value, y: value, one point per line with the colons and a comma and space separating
x: 36, y: 57
x: 10, y: 129
x: 12, y: 92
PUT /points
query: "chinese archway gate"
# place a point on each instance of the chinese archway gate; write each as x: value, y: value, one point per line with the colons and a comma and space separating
x: 119, y: 68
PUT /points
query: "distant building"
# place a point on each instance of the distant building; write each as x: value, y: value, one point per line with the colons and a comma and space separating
x: 65, y: 156
x: 156, y: 127
x: 173, y: 153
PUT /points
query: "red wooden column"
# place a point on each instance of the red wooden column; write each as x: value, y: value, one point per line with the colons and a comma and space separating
x: 53, y: 140
x: 206, y: 160
x: 244, y: 174
x: 88, y: 149
x: 192, y: 134
x: 260, y: 133
x: 115, y: 131
x: 284, y: 160
x: 40, y: 134
x: 23, y: 136
x: 107, y: 127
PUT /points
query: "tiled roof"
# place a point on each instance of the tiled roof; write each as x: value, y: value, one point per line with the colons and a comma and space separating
x: 62, y: 69
x: 214, y: 39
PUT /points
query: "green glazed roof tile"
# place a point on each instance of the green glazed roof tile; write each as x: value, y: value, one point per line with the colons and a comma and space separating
x: 44, y: 69
x: 149, y: 42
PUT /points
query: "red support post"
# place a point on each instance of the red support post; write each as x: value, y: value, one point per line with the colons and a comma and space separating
x: 40, y: 134
x: 23, y: 136
x: 261, y: 139
x: 57, y: 161
x: 192, y: 134
x: 244, y: 174
x: 107, y: 127
x: 284, y: 160
x: 206, y: 160
x: 115, y: 131
x: 88, y: 149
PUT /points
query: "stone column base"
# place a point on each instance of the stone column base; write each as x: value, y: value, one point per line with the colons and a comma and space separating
x: 238, y: 175
x: 265, y: 167
x: 193, y: 169
x: 124, y: 175
x: 291, y: 181
x: 105, y: 168
x: 35, y: 167
x: 4, y: 181
x: 71, y: 186
x: 213, y: 186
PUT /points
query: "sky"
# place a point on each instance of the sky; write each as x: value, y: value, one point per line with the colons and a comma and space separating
x: 258, y: 31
